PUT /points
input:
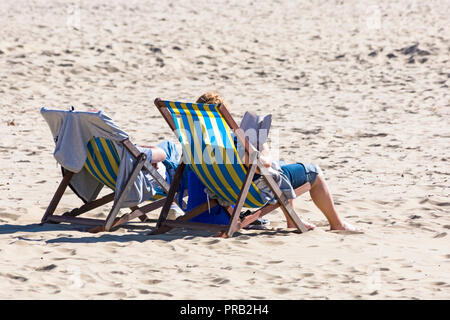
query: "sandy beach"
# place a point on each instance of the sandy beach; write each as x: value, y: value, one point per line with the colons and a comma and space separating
x: 359, y: 88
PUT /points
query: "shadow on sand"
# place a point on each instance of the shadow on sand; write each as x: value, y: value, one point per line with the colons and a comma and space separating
x: 135, y: 232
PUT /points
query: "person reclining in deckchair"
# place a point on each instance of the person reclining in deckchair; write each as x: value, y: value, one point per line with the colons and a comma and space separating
x: 93, y: 153
x: 295, y: 175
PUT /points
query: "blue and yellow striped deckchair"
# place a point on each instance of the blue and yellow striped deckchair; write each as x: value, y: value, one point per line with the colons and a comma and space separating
x: 205, y: 132
x: 102, y: 162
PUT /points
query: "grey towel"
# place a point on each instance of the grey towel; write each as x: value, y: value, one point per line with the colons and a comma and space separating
x: 72, y: 131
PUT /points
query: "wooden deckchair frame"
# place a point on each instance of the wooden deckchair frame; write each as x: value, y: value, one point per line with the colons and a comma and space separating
x: 112, y: 221
x: 163, y: 225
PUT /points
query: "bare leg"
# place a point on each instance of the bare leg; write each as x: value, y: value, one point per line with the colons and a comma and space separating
x: 323, y: 200
x: 290, y: 223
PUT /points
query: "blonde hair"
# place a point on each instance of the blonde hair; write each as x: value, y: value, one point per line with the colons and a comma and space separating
x: 212, y: 97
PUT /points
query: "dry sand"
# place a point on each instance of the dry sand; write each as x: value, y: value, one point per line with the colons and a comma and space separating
x: 360, y: 88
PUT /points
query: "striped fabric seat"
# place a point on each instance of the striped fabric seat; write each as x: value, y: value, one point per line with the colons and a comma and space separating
x: 103, y: 162
x: 210, y: 152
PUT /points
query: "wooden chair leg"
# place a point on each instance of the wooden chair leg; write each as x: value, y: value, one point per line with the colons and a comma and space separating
x: 281, y: 198
x: 89, y: 206
x: 233, y: 226
x: 143, y: 217
x: 57, y: 196
x: 117, y: 204
x: 171, y: 194
x: 147, y: 166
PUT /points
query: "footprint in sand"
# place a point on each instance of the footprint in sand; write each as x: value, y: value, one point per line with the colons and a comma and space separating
x: 307, y: 274
x: 274, y: 243
x: 220, y: 281
x: 72, y: 252
x: 281, y: 290
x: 111, y: 250
x: 242, y: 237
x: 440, y: 235
x: 336, y: 261
x: 118, y: 272
x: 346, y: 232
x: 161, y: 293
x: 16, y: 277
x: 439, y: 203
x: 47, y: 268
x: 120, y: 295
x: 9, y: 216
x: 143, y: 291
x: 213, y: 242
x: 152, y: 281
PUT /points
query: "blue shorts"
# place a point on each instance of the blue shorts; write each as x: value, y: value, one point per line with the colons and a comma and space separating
x: 300, y: 173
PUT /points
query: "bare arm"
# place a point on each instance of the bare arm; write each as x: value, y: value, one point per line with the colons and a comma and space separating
x: 265, y: 156
x: 158, y: 154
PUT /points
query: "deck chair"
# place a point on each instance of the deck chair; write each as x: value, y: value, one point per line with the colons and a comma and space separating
x: 204, y: 131
x: 102, y: 162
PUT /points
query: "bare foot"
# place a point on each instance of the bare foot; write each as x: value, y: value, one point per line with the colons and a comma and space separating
x: 221, y: 234
x: 308, y: 225
x: 345, y: 226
